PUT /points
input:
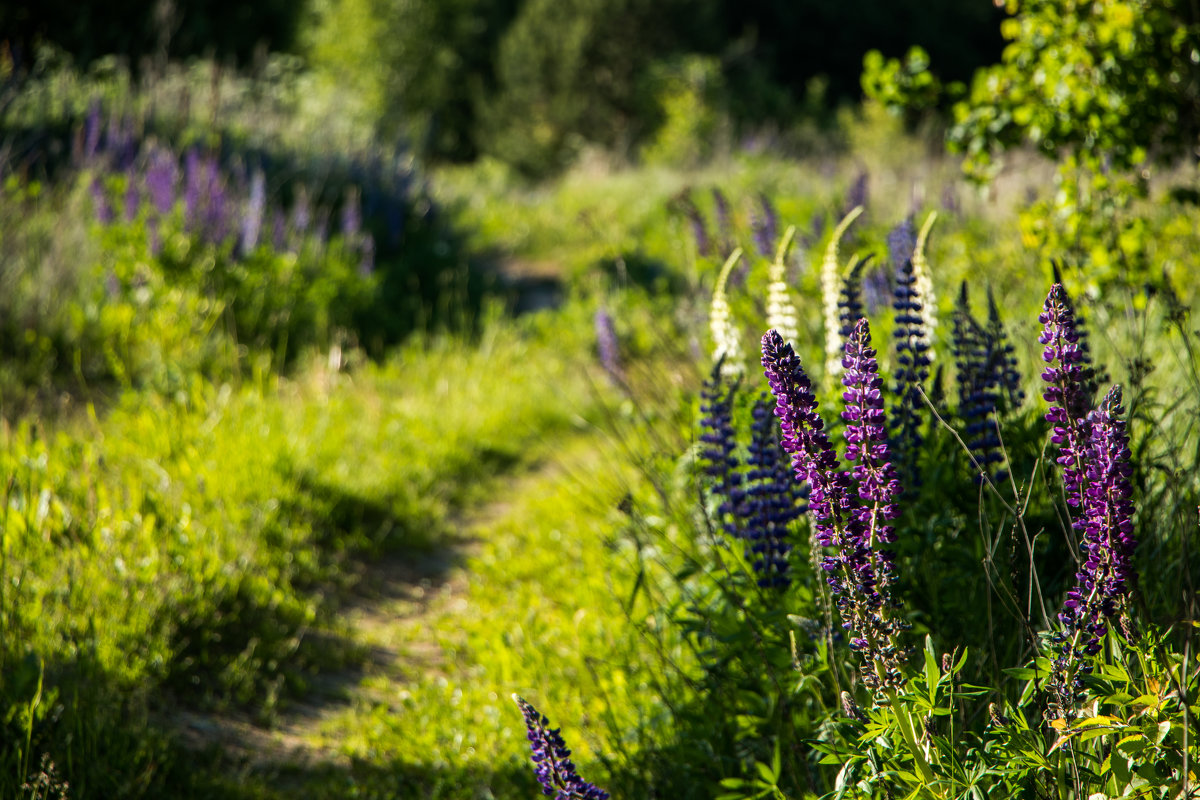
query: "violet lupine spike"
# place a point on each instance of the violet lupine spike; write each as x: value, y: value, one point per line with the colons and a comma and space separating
x: 766, y: 227
x: 772, y: 500
x: 552, y: 760
x: 607, y: 345
x: 1104, y: 580
x: 1067, y: 395
x: 912, y: 368
x: 718, y: 443
x: 863, y: 602
x: 1003, y: 357
x: 866, y: 445
x: 850, y: 299
x: 977, y: 388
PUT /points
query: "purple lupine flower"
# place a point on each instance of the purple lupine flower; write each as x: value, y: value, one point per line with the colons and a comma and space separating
x: 132, y: 201
x: 552, y: 760
x: 839, y: 521
x: 850, y: 300
x: 983, y: 361
x: 1066, y: 394
x: 858, y: 192
x: 255, y: 207
x: 1002, y: 357
x: 192, y: 188
x: 162, y: 175
x: 772, y: 500
x: 876, y: 288
x: 816, y: 229
x: 866, y: 442
x: 766, y: 227
x: 607, y: 345
x: 724, y: 220
x: 1103, y: 582
x: 366, y: 262
x: 901, y: 242
x: 1091, y: 376
x: 91, y: 132
x: 351, y: 221
x: 912, y: 359
x: 718, y: 443
x: 100, y: 204
x: 699, y: 227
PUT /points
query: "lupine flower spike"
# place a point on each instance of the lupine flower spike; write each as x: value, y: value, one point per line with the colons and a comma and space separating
x: 772, y: 500
x: 781, y: 312
x: 857, y: 571
x: 831, y: 285
x: 552, y: 760
x: 727, y: 347
x: 1067, y: 395
x: 716, y: 452
x: 912, y: 338
x: 1106, y: 574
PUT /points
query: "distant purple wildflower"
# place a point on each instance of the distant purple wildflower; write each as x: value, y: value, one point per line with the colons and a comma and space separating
x: 876, y: 288
x: 607, y: 345
x: 850, y: 298
x: 162, y: 175
x: 857, y: 193
x: 901, y: 242
x: 724, y: 220
x: 366, y: 262
x: 766, y: 227
x: 552, y: 760
x: 100, y: 203
x: 91, y: 132
x: 132, y: 202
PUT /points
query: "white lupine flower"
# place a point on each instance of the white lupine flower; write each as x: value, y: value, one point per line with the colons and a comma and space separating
x: 923, y: 284
x: 831, y: 285
x: 781, y: 312
x: 726, y: 344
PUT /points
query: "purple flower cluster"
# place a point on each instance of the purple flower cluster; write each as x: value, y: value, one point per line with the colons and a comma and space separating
x: 757, y: 500
x: 766, y: 227
x: 912, y: 352
x: 849, y: 517
x: 988, y: 381
x: 1104, y: 579
x: 552, y: 760
x: 1066, y: 393
x: 607, y: 345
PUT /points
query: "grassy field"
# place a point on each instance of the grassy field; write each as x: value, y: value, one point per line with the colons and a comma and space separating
x: 271, y: 532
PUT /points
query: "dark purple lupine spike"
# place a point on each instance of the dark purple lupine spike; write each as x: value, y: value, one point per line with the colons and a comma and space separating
x: 1104, y: 580
x: 766, y: 227
x: 850, y: 300
x: 607, y: 345
x: 772, y: 500
x: 552, y: 760
x: 193, y: 188
x: 162, y: 176
x: 1092, y: 377
x: 858, y: 192
x: 91, y: 132
x: 912, y: 366
x: 863, y: 601
x: 1003, y: 358
x: 866, y: 444
x: 876, y: 288
x: 366, y: 263
x: 724, y: 222
x: 100, y: 203
x: 1066, y: 394
x: 977, y: 388
x: 901, y: 242
x: 718, y: 443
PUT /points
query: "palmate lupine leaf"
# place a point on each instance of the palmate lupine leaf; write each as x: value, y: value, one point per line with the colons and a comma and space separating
x: 831, y: 285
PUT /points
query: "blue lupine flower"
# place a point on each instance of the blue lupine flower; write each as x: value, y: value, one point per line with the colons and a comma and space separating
x: 552, y: 760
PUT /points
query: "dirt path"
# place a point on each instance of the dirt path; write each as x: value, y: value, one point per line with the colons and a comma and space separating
x: 398, y: 605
